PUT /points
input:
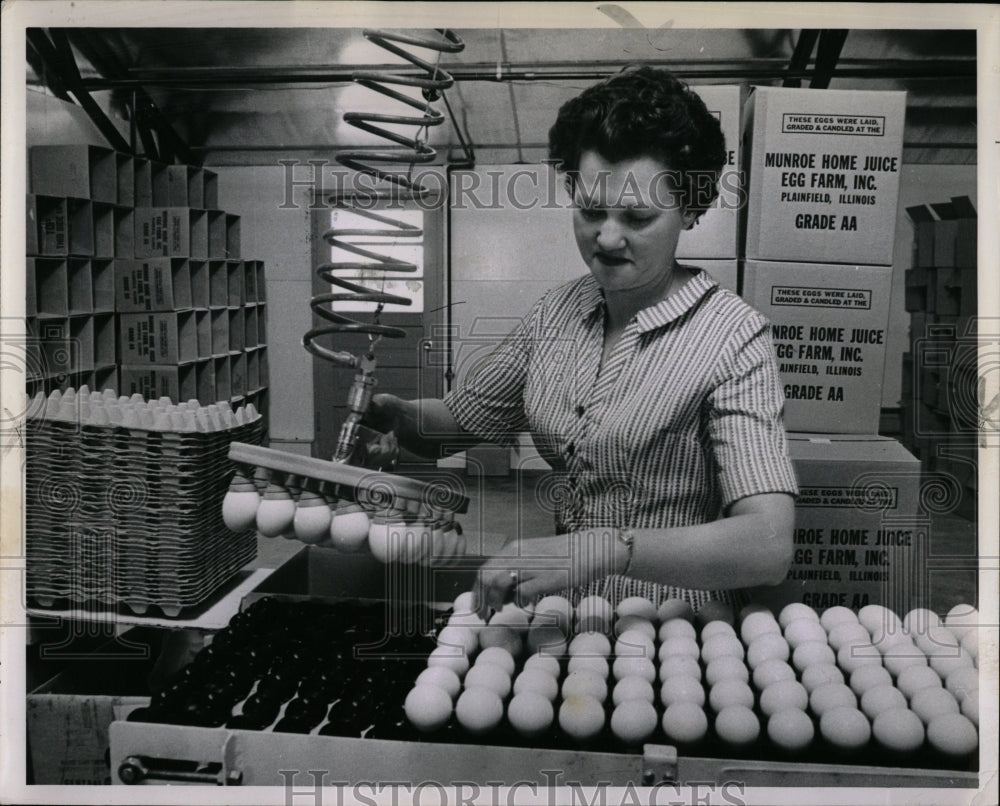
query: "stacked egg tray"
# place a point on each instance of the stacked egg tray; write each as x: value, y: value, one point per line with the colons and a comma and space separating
x: 288, y: 666
x: 842, y: 687
x: 130, y: 517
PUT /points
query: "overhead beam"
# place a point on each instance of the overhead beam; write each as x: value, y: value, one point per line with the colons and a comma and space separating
x: 831, y: 42
x: 800, y: 57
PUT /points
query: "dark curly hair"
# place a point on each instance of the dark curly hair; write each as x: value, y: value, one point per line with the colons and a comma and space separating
x: 644, y: 111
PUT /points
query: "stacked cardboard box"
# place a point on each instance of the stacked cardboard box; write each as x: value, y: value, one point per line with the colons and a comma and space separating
x: 135, y: 281
x: 940, y: 401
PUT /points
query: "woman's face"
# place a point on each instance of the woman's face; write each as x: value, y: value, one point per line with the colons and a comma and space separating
x: 627, y: 217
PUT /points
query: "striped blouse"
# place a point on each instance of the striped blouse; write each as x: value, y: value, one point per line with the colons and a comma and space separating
x: 683, y: 419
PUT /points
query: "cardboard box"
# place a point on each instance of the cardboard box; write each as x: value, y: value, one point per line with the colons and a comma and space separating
x: 178, y: 382
x: 124, y: 232
x: 725, y: 271
x: 223, y: 381
x: 81, y: 171
x: 261, y: 323
x: 81, y: 286
x: 205, y: 380
x: 104, y: 230
x: 154, y: 284
x: 30, y: 291
x: 210, y: 189
x: 237, y: 330
x: 171, y: 232
x: 65, y: 226
x: 81, y: 332
x: 218, y: 282
x: 105, y: 342
x: 203, y: 325
x: 60, y: 353
x: 31, y: 229
x: 955, y: 292
x: 220, y: 331
x: 234, y: 282
x: 918, y: 290
x: 199, y: 283
x: 859, y: 537
x: 923, y: 234
x: 125, y: 172
x: 824, y: 174
x: 151, y: 183
x: 238, y: 375
x: 253, y: 370
x: 234, y: 236
x: 829, y: 328
x: 185, y: 187
x: 250, y: 327
x: 955, y: 234
x: 717, y: 233
x: 103, y: 282
x: 165, y: 337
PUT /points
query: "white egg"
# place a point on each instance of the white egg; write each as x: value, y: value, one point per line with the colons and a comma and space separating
x: 952, y: 734
x: 875, y: 618
x: 472, y: 621
x: 737, y: 725
x: 643, y: 625
x: 510, y: 615
x: 961, y: 619
x: 914, y: 678
x: 682, y: 688
x: 497, y: 656
x: 634, y: 643
x: 636, y: 606
x: 767, y: 647
x: 970, y: 707
x: 674, y: 608
x: 835, y: 615
x: 772, y: 671
x: 275, y: 512
x: 818, y: 674
x: 848, y: 633
x: 634, y: 721
x: 829, y: 696
x: 585, y: 682
x: 543, y: 635
x: 537, y: 681
x: 970, y: 642
x: 881, y: 698
x: 845, y: 728
x: 802, y: 630
x: 632, y: 688
x: 594, y: 613
x: 720, y: 646
x: 427, y: 707
x: 730, y: 692
x: 679, y: 664
x: 753, y: 607
x: 465, y: 602
x: 936, y: 639
x: 479, y: 710
x: 811, y: 653
x: 898, y: 729
x: 679, y: 646
x: 758, y: 623
x: 590, y: 663
x: 963, y: 682
x: 349, y: 528
x: 685, y: 722
x: 239, y: 507
x: 634, y: 666
x: 461, y: 637
x: 715, y: 628
x: 796, y: 610
x: 783, y: 694
x: 714, y: 610
x: 581, y: 717
x: 919, y: 620
x: 945, y: 661
x: 854, y: 656
x: 590, y: 643
x: 383, y: 541
x: 554, y: 611
x: 902, y: 657
x: 726, y: 667
x: 451, y: 657
x: 530, y: 713
x: 491, y: 676
x: 677, y: 628
x: 929, y: 703
x: 886, y: 639
x: 441, y: 676
x: 867, y: 677
x: 545, y: 663
x: 501, y: 636
x: 791, y: 729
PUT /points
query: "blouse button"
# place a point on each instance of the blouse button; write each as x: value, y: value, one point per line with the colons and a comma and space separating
x: 579, y: 411
x: 570, y: 449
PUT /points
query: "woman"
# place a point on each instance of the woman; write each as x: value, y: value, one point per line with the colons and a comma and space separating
x: 651, y: 388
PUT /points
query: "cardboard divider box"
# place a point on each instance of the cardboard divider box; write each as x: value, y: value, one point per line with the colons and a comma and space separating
x: 185, y: 187
x: 250, y: 328
x: 923, y: 221
x: 253, y: 369
x: 51, y: 279
x: 60, y: 353
x: 220, y: 331
x: 171, y: 232
x: 205, y: 380
x: 955, y: 292
x: 31, y: 246
x: 824, y: 174
x: 199, y: 283
x: 250, y: 281
x: 829, y: 326
x: 125, y: 173
x: 261, y: 281
x: 217, y: 234
x: 82, y: 171
x: 65, y: 226
x: 81, y: 332
x: 860, y: 536
x: 265, y: 373
x: 237, y: 330
x: 151, y: 183
x: 81, y: 286
x: 124, y: 218
x: 919, y: 287
x: 203, y: 324
x: 165, y: 337
x: 717, y: 234
x: 223, y: 383
x: 153, y: 284
x: 105, y: 340
x: 30, y: 290
x: 234, y: 236
x: 104, y: 378
x: 104, y: 230
x: 103, y: 283
x: 261, y: 323
x: 725, y: 271
x: 178, y: 382
x: 238, y: 374
x: 210, y: 189
x: 218, y: 280
x: 955, y: 234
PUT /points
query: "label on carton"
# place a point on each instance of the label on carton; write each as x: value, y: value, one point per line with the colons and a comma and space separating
x: 857, y: 125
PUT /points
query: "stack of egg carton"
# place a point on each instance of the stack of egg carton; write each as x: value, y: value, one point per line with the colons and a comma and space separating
x: 124, y: 500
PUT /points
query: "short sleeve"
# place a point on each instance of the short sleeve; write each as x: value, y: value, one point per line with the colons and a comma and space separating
x: 490, y: 403
x: 745, y: 418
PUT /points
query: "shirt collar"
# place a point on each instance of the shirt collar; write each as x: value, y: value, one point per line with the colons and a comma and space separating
x: 661, y: 313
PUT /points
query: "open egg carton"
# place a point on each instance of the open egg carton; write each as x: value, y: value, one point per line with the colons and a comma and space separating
x: 123, y: 500
x: 866, y: 688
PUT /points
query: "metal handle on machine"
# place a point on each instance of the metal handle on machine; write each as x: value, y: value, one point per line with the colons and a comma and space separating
x: 137, y: 770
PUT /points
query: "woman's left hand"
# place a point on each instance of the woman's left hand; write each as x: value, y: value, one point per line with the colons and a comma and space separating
x: 531, y: 567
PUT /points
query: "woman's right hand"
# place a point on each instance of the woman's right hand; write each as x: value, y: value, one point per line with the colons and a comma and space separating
x: 383, y: 415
